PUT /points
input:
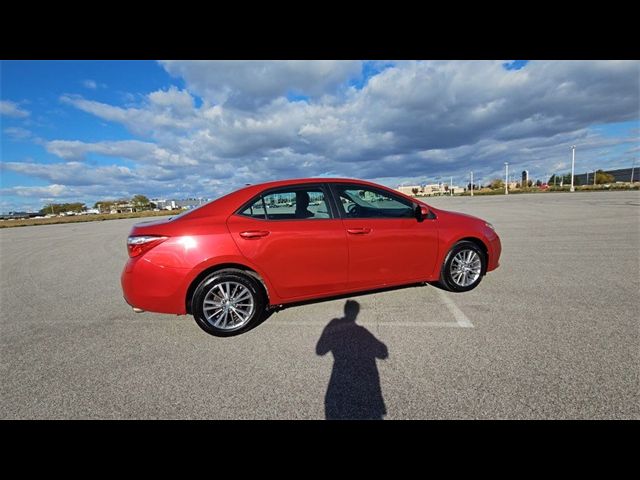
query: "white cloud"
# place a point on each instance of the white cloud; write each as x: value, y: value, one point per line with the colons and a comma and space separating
x: 129, y: 149
x: 177, y: 102
x: 18, y: 133
x: 70, y: 173
x: 249, y: 84
x: 11, y: 109
x: 54, y: 190
x: 83, y: 182
x: 413, y: 120
x: 162, y: 112
x: 90, y: 84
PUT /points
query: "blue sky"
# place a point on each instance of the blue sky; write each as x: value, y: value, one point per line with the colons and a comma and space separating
x: 94, y: 130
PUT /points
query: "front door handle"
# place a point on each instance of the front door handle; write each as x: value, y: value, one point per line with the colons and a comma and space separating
x: 358, y: 231
x: 254, y: 234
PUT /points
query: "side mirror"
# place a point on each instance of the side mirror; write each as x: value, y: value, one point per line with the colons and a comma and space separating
x: 422, y: 212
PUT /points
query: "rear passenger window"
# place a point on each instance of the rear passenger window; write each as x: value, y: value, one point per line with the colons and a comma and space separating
x: 256, y: 210
x: 293, y: 204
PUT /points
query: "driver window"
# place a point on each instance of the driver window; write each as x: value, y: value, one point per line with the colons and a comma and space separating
x: 359, y: 202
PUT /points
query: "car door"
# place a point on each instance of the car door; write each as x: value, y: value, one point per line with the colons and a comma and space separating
x: 296, y: 238
x: 387, y: 244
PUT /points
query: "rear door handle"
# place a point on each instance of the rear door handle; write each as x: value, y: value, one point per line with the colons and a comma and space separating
x: 254, y: 234
x: 358, y: 231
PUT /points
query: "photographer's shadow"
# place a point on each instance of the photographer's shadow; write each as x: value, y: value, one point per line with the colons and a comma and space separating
x: 354, y: 391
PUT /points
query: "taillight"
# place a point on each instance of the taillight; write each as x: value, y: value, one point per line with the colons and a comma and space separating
x: 140, y: 244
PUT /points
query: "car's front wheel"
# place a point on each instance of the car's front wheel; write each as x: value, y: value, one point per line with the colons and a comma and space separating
x: 228, y: 302
x: 463, y: 267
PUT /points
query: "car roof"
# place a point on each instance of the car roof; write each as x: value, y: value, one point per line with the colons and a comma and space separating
x: 255, y: 188
x: 292, y: 181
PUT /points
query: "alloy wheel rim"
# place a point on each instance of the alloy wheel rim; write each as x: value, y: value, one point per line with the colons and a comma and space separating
x: 228, y: 305
x: 465, y: 268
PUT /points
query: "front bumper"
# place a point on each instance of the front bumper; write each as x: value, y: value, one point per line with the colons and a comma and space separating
x: 495, y: 249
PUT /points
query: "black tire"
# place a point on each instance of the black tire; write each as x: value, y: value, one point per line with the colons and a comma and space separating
x: 446, y: 278
x: 233, y: 277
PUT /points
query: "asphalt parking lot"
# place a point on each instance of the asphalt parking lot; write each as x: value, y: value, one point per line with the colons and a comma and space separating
x: 553, y: 333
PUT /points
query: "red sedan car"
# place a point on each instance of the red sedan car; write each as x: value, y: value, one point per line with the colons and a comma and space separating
x: 232, y: 260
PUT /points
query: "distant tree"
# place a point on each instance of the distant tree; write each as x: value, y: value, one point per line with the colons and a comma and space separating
x: 603, y: 177
x: 140, y: 201
x: 564, y: 179
x: 496, y: 183
x: 57, y: 208
x: 414, y: 191
x: 538, y: 183
x: 104, y: 205
x: 475, y: 187
x: 47, y: 210
x: 560, y: 179
x: 529, y: 183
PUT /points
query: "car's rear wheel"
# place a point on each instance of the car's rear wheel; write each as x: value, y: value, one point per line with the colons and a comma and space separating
x: 228, y: 302
x: 463, y: 267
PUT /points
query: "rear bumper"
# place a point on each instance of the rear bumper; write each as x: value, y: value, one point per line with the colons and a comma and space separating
x: 152, y: 288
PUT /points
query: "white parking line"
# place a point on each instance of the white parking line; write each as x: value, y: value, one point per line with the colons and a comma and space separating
x: 298, y: 323
x: 461, y: 319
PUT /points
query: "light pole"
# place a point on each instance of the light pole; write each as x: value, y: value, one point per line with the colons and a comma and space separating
x: 594, y: 177
x: 472, y: 184
x: 573, y: 161
x: 450, y: 185
x: 506, y: 178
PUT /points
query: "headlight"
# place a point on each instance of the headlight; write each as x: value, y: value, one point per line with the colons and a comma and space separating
x: 490, y: 226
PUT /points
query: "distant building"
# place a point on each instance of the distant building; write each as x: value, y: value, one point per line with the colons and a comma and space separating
x: 18, y: 215
x: 433, y: 189
x: 430, y: 189
x: 436, y: 189
x: 123, y: 208
x: 163, y: 204
x: 409, y: 190
x: 620, y: 175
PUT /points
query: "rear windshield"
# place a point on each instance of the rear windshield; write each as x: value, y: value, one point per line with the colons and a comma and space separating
x: 191, y: 210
